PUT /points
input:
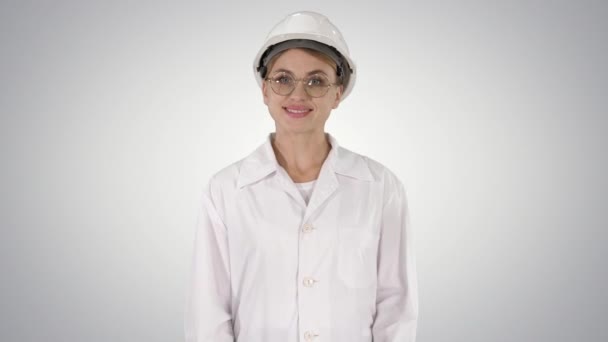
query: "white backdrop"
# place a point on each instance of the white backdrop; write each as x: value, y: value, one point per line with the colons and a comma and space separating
x: 114, y: 114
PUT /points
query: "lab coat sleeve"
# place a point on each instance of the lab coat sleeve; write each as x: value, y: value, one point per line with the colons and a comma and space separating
x: 208, y: 315
x: 396, y: 315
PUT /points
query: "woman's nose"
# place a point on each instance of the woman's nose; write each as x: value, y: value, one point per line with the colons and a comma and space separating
x: 299, y: 90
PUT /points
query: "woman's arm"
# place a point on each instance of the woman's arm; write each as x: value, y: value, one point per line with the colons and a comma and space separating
x: 396, y: 316
x: 208, y: 315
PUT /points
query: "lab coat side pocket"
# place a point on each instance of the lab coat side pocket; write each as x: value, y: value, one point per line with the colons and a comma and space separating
x: 357, y: 252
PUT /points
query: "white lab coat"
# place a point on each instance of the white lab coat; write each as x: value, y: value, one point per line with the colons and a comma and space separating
x: 268, y: 268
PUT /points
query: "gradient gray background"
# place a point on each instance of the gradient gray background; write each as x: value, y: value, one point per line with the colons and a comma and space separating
x: 114, y: 114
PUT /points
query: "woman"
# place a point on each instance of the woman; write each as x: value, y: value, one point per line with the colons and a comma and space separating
x: 303, y: 240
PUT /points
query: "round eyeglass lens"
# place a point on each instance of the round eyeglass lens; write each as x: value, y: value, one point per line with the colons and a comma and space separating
x: 314, y: 85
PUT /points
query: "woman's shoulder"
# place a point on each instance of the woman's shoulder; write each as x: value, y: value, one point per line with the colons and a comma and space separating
x: 227, y: 175
x: 380, y: 171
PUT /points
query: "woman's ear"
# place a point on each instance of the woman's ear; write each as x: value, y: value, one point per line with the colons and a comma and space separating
x: 264, y: 93
x: 339, y: 91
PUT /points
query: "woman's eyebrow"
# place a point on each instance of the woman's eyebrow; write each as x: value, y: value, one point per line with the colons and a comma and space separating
x: 316, y: 71
x: 282, y: 70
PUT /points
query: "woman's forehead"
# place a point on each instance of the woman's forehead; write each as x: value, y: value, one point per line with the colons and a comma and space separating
x: 302, y: 62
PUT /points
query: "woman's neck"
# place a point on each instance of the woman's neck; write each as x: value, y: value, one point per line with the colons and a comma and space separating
x: 301, y: 155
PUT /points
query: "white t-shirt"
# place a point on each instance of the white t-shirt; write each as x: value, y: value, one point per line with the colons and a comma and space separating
x: 306, y: 189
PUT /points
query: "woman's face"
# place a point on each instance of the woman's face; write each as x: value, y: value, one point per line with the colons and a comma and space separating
x: 315, y: 110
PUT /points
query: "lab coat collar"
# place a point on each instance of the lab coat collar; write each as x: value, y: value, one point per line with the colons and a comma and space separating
x: 262, y: 162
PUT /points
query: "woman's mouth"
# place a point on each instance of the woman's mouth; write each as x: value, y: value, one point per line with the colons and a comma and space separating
x: 297, y: 111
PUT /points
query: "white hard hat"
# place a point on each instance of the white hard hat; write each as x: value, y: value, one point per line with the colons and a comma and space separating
x: 310, y: 30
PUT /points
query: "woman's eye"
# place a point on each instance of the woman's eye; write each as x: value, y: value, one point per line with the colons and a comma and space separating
x: 316, y: 82
x: 283, y: 79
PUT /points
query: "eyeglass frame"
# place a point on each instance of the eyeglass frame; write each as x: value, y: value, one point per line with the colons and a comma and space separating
x: 298, y: 80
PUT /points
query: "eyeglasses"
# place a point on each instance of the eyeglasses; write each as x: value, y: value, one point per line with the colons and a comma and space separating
x: 315, y: 85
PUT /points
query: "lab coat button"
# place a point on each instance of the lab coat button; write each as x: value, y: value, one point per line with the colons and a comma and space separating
x: 307, y: 228
x: 309, y: 335
x: 309, y: 282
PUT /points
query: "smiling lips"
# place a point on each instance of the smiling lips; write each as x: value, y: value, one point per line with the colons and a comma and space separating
x: 297, y: 111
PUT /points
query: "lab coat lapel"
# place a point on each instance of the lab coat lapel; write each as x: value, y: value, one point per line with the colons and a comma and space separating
x: 289, y: 187
x: 262, y: 162
x: 339, y: 161
x: 326, y: 185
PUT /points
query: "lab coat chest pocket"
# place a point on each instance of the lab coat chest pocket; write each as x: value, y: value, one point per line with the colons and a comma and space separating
x: 357, y: 251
